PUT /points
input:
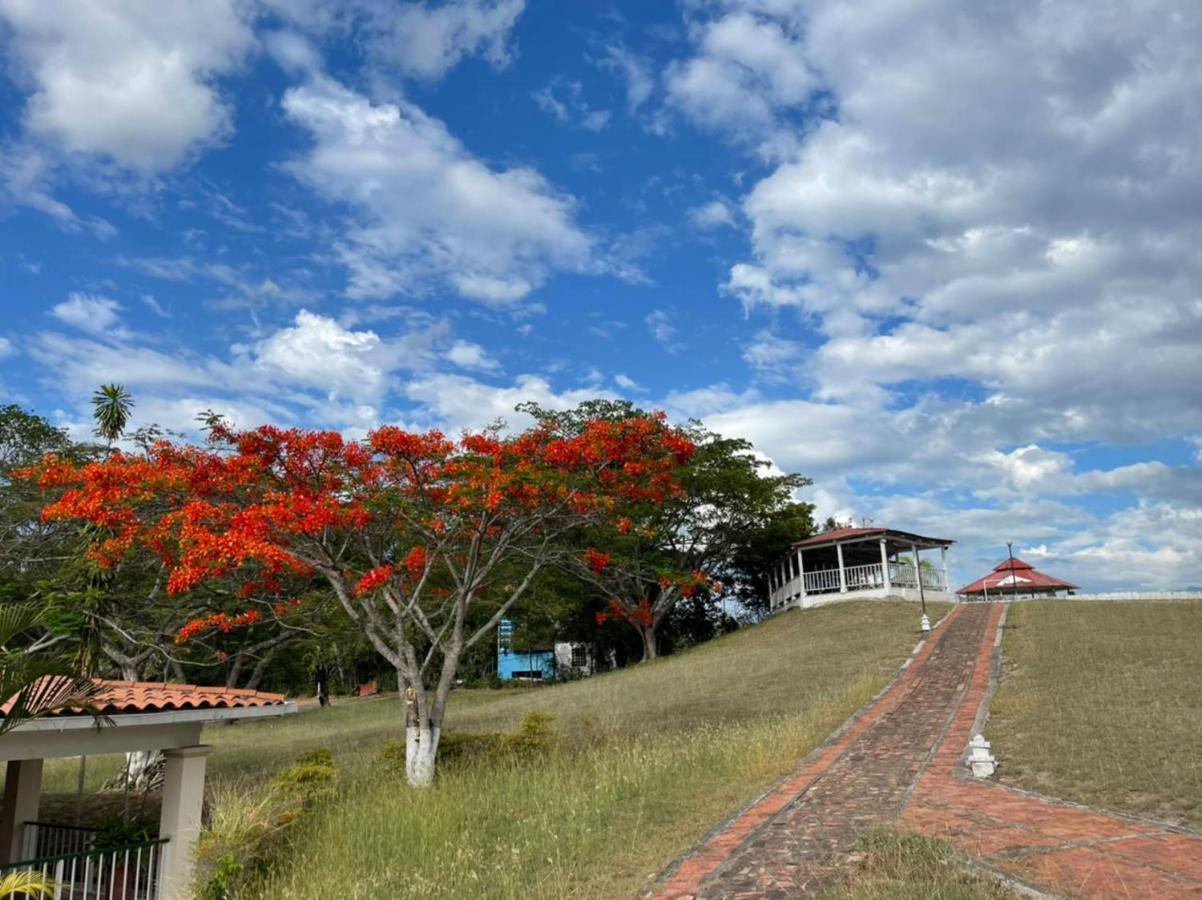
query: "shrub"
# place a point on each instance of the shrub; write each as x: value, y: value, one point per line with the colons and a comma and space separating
x: 532, y: 737
x: 246, y: 826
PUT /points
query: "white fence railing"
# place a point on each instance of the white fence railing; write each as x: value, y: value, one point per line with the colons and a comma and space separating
x: 822, y: 581
x: 130, y: 872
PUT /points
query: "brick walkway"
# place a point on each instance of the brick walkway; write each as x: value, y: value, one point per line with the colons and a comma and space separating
x: 899, y: 760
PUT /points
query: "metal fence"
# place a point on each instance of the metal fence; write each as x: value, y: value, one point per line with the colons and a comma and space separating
x: 65, y: 854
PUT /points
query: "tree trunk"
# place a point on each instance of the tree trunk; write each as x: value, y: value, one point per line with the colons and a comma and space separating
x: 323, y: 686
x: 650, y: 643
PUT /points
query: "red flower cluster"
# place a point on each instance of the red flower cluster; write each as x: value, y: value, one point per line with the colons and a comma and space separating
x: 222, y: 621
x: 596, y: 560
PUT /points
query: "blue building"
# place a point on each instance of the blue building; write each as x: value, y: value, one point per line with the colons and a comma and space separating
x: 537, y: 665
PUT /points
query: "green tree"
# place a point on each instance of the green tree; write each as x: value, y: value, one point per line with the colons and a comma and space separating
x: 734, y: 511
x: 112, y: 405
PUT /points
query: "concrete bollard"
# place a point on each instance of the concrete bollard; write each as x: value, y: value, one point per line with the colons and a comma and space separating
x: 980, y: 760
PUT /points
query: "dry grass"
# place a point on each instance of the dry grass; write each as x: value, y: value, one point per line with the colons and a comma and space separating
x: 907, y: 867
x: 651, y: 758
x: 1101, y: 703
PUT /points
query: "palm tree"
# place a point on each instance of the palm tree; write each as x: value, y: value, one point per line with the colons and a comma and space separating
x: 111, y: 408
x: 31, y: 688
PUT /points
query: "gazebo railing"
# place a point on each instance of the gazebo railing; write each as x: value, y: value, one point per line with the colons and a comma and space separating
x: 131, y: 872
x: 822, y: 581
x: 53, y: 839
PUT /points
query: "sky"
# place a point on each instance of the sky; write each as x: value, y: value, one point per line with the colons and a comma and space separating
x: 941, y: 258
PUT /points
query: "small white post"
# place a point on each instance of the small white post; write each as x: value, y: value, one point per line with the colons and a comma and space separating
x: 801, y: 569
x: 842, y: 574
x: 980, y: 760
x: 885, y: 565
x: 22, y: 791
x: 183, y: 797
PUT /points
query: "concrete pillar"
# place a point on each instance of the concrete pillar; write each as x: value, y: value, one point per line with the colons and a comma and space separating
x: 917, y: 567
x: 22, y: 791
x: 943, y: 565
x: 183, y: 796
x: 842, y: 574
x: 801, y: 569
x: 885, y: 565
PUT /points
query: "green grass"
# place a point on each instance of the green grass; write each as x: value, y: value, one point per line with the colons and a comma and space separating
x: 1101, y: 703
x: 650, y: 759
x: 897, y: 866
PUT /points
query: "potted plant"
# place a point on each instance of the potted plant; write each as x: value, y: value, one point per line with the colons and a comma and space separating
x: 117, y: 832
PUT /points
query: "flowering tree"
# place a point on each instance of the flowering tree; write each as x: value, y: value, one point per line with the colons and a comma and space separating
x: 649, y: 556
x: 425, y: 541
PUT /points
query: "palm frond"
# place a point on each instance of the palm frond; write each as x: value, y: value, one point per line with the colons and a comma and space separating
x: 28, y: 884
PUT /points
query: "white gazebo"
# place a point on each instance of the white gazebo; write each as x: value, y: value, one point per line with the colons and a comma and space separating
x: 138, y: 716
x: 859, y: 563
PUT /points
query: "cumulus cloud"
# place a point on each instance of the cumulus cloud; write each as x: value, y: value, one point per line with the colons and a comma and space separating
x: 126, y: 81
x: 489, y: 235
x: 88, y: 312
x: 986, y: 222
x: 712, y: 215
x: 469, y: 355
x: 317, y: 352
x: 426, y: 40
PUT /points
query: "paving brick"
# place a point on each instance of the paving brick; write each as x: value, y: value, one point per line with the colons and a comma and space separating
x: 899, y: 761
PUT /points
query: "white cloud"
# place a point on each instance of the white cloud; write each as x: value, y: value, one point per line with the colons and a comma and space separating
x: 770, y: 353
x: 317, y: 352
x: 126, y: 81
x: 91, y: 313
x: 426, y: 40
x: 626, y: 383
x: 659, y: 323
x: 455, y: 402
x: 635, y: 70
x: 565, y: 102
x: 489, y: 235
x: 469, y: 355
x: 746, y: 68
x: 712, y: 215
x: 6, y: 346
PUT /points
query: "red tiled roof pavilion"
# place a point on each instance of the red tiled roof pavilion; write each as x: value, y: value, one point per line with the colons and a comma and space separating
x: 1016, y: 577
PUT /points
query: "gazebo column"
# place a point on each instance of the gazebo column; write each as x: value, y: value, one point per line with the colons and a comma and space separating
x: 842, y: 574
x: 917, y: 567
x: 943, y: 564
x: 885, y: 565
x: 801, y: 570
x: 22, y: 791
x: 183, y: 797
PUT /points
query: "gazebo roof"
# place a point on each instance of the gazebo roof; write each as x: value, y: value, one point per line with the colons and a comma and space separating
x: 121, y: 697
x: 1015, y: 575
x: 854, y: 534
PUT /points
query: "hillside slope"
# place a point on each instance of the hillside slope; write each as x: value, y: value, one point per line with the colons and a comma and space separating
x: 650, y: 758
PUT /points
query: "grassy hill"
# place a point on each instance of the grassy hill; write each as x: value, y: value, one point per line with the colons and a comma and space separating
x: 648, y: 760
x: 1101, y: 702
x: 645, y: 761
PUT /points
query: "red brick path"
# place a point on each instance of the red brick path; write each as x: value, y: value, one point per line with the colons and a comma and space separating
x: 900, y: 760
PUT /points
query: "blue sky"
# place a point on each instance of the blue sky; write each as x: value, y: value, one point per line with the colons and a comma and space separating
x: 941, y: 260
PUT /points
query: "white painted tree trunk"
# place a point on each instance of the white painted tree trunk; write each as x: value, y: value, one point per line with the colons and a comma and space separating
x: 421, y: 752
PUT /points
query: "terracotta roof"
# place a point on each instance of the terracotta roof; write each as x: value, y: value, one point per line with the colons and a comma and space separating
x: 118, y: 697
x: 843, y: 534
x: 1012, y: 577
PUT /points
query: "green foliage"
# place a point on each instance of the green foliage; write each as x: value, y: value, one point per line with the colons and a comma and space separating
x: 248, y: 825
x: 533, y: 737
x: 112, y: 405
x: 116, y: 830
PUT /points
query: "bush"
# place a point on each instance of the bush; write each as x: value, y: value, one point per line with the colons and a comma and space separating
x: 531, y: 738
x: 246, y: 827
